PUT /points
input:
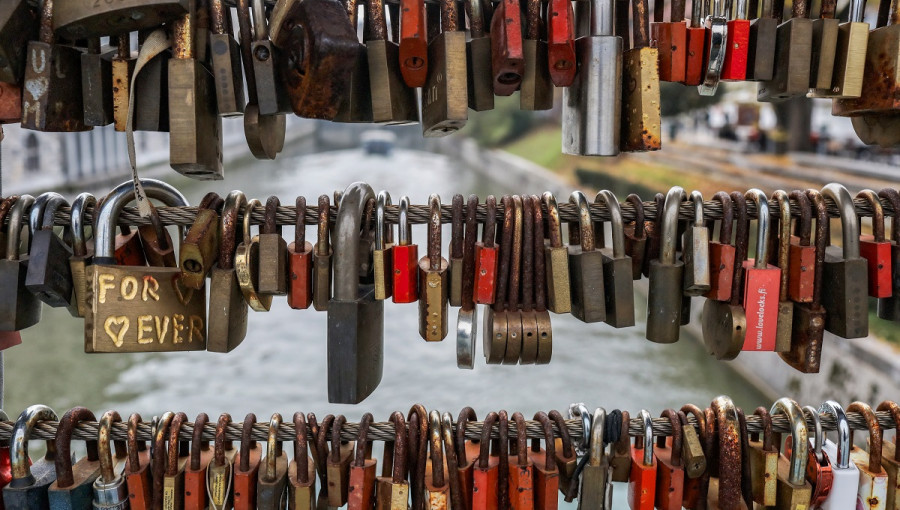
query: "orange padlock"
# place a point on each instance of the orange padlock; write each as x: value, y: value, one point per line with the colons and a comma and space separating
x: 465, y: 468
x: 546, y: 475
x: 137, y: 469
x: 246, y: 467
x: 486, y: 259
x: 300, y: 260
x: 521, y: 470
x: 485, y: 475
x: 413, y: 47
x: 670, y: 469
x: 642, y: 482
x: 691, y: 497
x: 722, y: 253
x: 876, y: 249
x: 802, y: 253
x: 362, y: 472
x: 195, y: 471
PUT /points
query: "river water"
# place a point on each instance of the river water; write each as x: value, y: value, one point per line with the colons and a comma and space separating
x: 281, y: 364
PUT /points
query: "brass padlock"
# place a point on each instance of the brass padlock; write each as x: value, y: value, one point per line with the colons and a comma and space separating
x: 82, y: 252
x: 445, y: 94
x: 849, y: 59
x: 536, y: 89
x: 271, y: 486
x: 273, y: 272
x: 793, y: 52
x: 480, y: 82
x: 793, y: 490
x: 393, y: 102
x: 641, y: 124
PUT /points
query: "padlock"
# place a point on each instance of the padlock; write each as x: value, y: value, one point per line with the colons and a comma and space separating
x: 586, y: 275
x: 480, y: 81
x: 793, y: 490
x: 449, y: 445
x: 819, y: 471
x: 264, y: 133
x: 109, y: 489
x: 546, y: 475
x: 77, y: 22
x: 195, y: 470
x: 467, y: 318
x: 156, y: 241
x: 640, y: 123
x: 670, y: 39
x: 225, y: 61
x: 824, y: 47
x: 96, y: 83
x: 405, y: 260
x: 670, y: 473
x: 724, y: 323
x: 151, y: 92
x: 271, y: 94
x: 693, y: 454
x: 636, y: 237
x: 642, y: 481
x: 695, y: 252
x: 725, y: 486
x: 246, y: 467
x: 445, y: 105
x: 271, y: 485
x: 393, y: 101
x: 507, y: 52
x: 666, y: 276
x: 82, y: 253
x: 246, y: 264
x: 793, y: 55
x: 51, y: 90
x: 465, y: 468
x: 338, y: 465
x: 49, y: 277
x: 876, y: 250
x: 485, y: 474
x: 496, y: 317
x: 417, y: 424
x: 200, y: 248
x: 437, y: 486
x: 536, y: 87
x: 746, y: 488
x: 137, y: 469
x: 556, y: 260
x: 521, y: 470
x: 273, y: 262
x: 564, y: 453
x: 617, y: 281
x: 73, y: 488
x: 716, y: 33
x: 227, y: 307
x: 722, y: 253
x: 18, y: 23
x: 764, y: 461
x: 415, y: 60
x: 761, y: 47
x: 889, y: 308
x: 433, y: 280
x: 167, y: 317
x: 122, y: 68
x: 355, y: 317
x: 695, y: 62
x: 595, y: 489
x: 845, y: 275
x: 808, y: 328
x: 849, y: 59
x: 761, y: 284
x: 737, y: 43
x: 195, y: 140
x: 28, y: 487
x: 322, y: 258
x: 302, y: 473
x: 542, y: 315
x: 873, y: 478
x: 455, y: 270
x: 620, y: 463
x: 300, y: 262
x: 528, y: 318
x: 318, y: 434
x: 513, y: 321
x: 392, y: 492
x: 19, y: 308
x: 845, y: 474
x: 218, y: 473
x: 890, y: 456
x: 801, y: 273
x: 168, y: 478
x: 361, y: 482
x: 356, y: 104
x: 562, y: 53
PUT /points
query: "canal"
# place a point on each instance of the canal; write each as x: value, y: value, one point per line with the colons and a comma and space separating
x: 281, y: 364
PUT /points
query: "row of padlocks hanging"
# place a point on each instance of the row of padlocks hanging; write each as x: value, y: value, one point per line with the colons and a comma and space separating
x: 712, y: 461
x: 304, y: 57
x: 138, y: 294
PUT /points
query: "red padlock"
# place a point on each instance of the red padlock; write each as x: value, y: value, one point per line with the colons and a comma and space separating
x: 670, y: 469
x: 406, y: 260
x: 485, y: 476
x: 642, y: 481
x: 876, y: 250
x: 738, y: 44
x: 546, y: 476
x: 521, y: 470
x: 802, y: 253
x: 464, y: 450
x: 561, y: 43
x: 137, y: 469
x: 722, y: 253
x: 195, y: 470
x: 300, y: 258
x: 762, y: 282
x: 670, y: 38
x: 246, y: 467
x: 413, y: 43
x: 361, y: 492
x: 696, y: 45
x: 486, y: 259
x: 507, y: 52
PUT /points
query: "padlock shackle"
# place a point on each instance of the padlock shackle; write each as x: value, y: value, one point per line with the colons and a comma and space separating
x: 647, y: 437
x: 434, y: 233
x: 894, y: 409
x: 696, y: 199
x: 270, y: 221
x: 301, y: 449
x: 260, y: 26
x: 234, y: 203
x: 726, y: 424
x: 768, y: 436
x: 323, y: 246
x: 812, y: 415
x: 466, y: 415
x: 115, y: 201
x: 134, y: 446
x: 553, y: 223
x: 217, y: 17
x: 677, y: 439
x: 456, y: 499
x: 799, y: 438
x: 640, y: 24
x: 14, y: 231
x: 158, y: 452
x: 741, y: 11
x: 183, y: 36
x: 20, y: 466
x: 273, y: 447
x: 579, y: 410
x: 799, y: 8
x: 254, y: 203
x: 843, y: 429
x: 346, y: 233
x: 437, y: 454
x: 197, y: 442
x: 784, y: 239
x: 300, y: 223
x: 48, y: 217
x: 618, y: 225
x: 383, y: 231
x: 550, y: 450
x: 398, y: 474
x: 893, y: 198
x: 804, y: 225
x: 173, y: 447
x: 521, y: 439
x: 669, y: 228
x: 46, y: 35
x: 336, y: 425
x: 247, y: 443
x: 877, y: 213
x: 404, y: 229
x: 362, y: 441
x: 822, y: 239
x: 597, y: 444
x: 79, y: 207
x: 36, y: 213
x: 849, y: 222
x: 762, y: 229
x: 475, y: 13
x: 220, y: 443
x: 875, y: 434
x: 468, y: 285
x: 456, y: 226
x: 727, y: 221
x: 585, y: 225
x: 375, y: 21
x: 107, y: 466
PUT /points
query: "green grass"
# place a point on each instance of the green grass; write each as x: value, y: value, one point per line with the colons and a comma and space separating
x: 542, y: 146
x: 885, y: 330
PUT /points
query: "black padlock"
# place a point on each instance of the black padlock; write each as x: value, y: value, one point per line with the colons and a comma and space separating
x: 49, y: 275
x: 28, y: 488
x: 355, y: 317
x: 845, y: 274
x: 586, y: 267
x: 19, y: 308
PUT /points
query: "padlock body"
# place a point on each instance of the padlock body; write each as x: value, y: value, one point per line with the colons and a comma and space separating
x: 300, y: 283
x: 873, y: 487
x: 273, y: 98
x: 151, y: 96
x: 824, y: 47
x: 807, y: 335
x: 844, y: 483
x: 641, y: 124
x: 355, y: 347
x: 596, y: 491
x: 228, y: 311
x: 763, y: 473
x: 200, y: 249
x: 391, y: 496
x: 521, y: 485
x: 618, y: 290
x: 793, y: 49
x: 195, y: 143
x: 592, y: 104
x: 559, y: 298
x: 669, y: 492
x: 51, y: 95
x: 122, y: 71
x: 393, y: 101
x: 302, y: 496
x: 694, y: 65
x: 761, y: 51
x: 642, y: 482
x: 20, y: 19
x: 454, y: 294
x: 878, y: 259
x: 664, y: 301
x: 734, y: 68
x: 10, y: 103
x: 536, y: 90
x: 486, y: 263
x: 761, y: 289
x: 338, y: 475
x: 273, y: 275
x: 586, y: 283
x: 889, y: 307
x: 96, y: 85
x: 361, y: 494
x: 507, y: 53
x: 721, y: 269
x: 31, y: 494
x: 670, y: 38
x: 695, y: 254
x: 445, y: 106
x: 789, y: 496
x: 244, y: 482
x: 49, y: 275
x: 784, y: 328
x: 849, y: 62
x: 724, y: 328
x: 406, y: 273
x: 480, y: 82
x: 546, y: 484
x: 228, y: 74
x: 846, y: 300
x: 357, y: 102
x: 270, y: 493
x: 881, y: 76
x: 80, y: 494
x: 801, y: 271
x: 19, y: 308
